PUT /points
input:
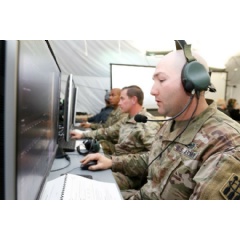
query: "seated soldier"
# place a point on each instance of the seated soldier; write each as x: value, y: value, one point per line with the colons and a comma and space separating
x: 196, y: 154
x: 233, y: 109
x: 102, y: 116
x: 115, y: 115
x: 134, y: 139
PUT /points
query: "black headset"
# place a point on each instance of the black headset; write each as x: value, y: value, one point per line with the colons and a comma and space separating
x: 91, y: 145
x: 194, y: 74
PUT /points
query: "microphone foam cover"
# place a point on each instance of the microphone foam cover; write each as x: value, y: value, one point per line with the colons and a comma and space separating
x: 140, y: 118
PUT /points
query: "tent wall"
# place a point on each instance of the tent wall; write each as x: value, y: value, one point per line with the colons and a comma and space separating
x: 91, y: 92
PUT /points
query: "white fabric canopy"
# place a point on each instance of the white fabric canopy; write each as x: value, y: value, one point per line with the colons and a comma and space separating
x: 89, y: 62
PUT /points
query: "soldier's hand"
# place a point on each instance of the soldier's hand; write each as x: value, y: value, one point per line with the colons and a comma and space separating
x: 102, y: 161
x: 75, y: 134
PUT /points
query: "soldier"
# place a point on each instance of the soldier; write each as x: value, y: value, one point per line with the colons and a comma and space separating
x: 233, y: 109
x: 134, y: 139
x: 100, y: 117
x: 196, y: 154
x: 115, y: 115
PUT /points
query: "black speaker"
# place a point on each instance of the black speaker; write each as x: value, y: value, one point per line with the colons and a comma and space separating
x: 91, y: 145
x: 194, y: 74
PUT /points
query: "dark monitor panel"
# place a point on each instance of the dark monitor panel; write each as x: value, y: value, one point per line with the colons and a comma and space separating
x: 37, y: 116
x: 2, y: 109
x: 9, y: 61
x: 75, y: 106
x: 70, y: 99
x: 36, y: 107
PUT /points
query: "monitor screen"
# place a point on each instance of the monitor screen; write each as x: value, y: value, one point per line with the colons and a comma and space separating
x: 75, y: 106
x: 32, y: 95
x: 70, y: 100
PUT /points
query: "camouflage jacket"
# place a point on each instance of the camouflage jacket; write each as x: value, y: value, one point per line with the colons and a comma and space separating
x: 203, y: 163
x: 132, y: 137
x: 113, y: 117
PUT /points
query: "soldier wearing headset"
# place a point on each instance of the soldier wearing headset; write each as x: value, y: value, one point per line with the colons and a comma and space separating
x: 196, y: 154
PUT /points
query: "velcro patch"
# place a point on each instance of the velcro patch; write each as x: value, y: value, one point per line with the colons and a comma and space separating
x: 231, y: 188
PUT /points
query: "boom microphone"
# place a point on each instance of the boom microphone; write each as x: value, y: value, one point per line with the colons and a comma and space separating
x: 140, y: 118
x: 144, y: 119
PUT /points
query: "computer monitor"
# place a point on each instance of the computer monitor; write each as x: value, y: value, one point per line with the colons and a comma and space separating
x: 31, y: 89
x: 70, y: 101
x: 68, y: 107
x: 74, y: 117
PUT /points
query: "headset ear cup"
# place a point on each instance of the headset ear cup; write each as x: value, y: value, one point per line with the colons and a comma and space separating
x: 187, y: 85
x: 95, y: 146
x: 195, y: 76
x: 88, y: 144
x: 92, y: 145
x: 82, y: 152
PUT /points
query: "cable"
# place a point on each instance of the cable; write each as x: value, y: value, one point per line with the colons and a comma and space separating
x: 160, y: 154
x: 69, y: 162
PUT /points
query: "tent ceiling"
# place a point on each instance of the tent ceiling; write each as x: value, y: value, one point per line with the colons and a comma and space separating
x: 93, y: 57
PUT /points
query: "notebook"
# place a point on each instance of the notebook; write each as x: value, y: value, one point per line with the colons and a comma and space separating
x: 74, y: 187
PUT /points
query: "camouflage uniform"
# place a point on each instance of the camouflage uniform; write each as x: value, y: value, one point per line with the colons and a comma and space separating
x: 134, y: 139
x: 110, y: 133
x: 113, y: 117
x: 203, y: 163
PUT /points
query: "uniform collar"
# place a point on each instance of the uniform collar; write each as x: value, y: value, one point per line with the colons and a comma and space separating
x: 142, y: 112
x: 193, y: 128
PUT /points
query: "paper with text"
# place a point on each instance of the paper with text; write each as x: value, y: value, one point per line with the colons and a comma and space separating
x: 74, y: 187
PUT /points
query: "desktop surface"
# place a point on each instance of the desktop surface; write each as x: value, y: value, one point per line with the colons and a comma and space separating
x: 67, y: 181
x: 74, y: 168
x: 70, y: 164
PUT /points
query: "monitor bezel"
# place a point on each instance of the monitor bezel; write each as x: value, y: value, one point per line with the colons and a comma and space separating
x: 68, y: 107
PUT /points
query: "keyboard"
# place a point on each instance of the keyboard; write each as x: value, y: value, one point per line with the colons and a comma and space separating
x: 67, y: 146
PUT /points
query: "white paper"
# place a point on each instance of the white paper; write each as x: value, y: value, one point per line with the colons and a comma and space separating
x: 80, y: 188
x: 53, y: 189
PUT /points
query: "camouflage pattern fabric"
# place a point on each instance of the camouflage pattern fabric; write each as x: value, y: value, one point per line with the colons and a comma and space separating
x: 113, y: 117
x: 110, y: 133
x: 125, y: 183
x: 203, y: 163
x: 134, y: 140
x: 107, y: 147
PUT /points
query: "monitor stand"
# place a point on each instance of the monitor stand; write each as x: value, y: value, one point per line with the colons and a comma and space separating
x: 60, y: 153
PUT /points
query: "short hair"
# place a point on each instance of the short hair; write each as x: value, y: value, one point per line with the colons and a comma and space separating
x: 231, y: 103
x: 136, y: 91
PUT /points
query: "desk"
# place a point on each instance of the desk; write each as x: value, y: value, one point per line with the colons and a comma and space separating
x: 74, y: 168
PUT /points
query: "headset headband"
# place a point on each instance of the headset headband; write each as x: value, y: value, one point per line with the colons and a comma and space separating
x: 182, y: 44
x: 194, y: 75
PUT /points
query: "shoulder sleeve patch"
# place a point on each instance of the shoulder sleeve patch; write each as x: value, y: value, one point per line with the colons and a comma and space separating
x: 231, y: 188
x: 224, y: 183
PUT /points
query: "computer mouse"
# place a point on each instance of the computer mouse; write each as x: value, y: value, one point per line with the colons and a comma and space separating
x: 87, y: 165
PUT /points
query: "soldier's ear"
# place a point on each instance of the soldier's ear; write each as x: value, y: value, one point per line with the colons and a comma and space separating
x: 134, y: 100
